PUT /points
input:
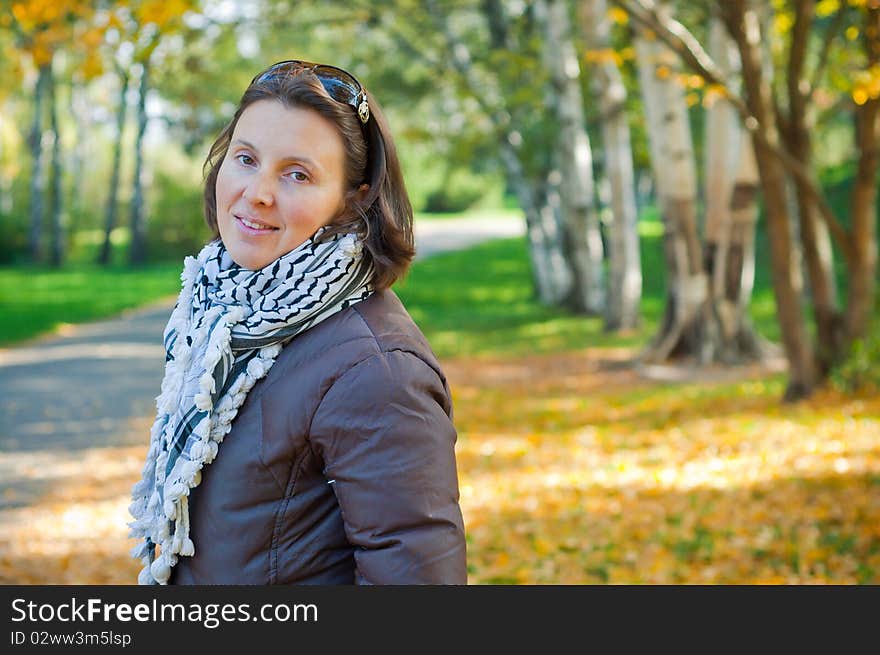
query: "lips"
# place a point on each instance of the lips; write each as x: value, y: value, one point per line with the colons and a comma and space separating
x: 253, y: 225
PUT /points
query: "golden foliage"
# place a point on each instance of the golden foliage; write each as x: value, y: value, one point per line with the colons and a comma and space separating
x: 160, y: 12
x: 76, y: 533
x: 713, y: 93
x: 576, y: 471
x: 47, y: 25
x: 827, y: 7
x: 573, y: 469
x: 618, y: 15
x: 866, y: 85
x: 603, y: 56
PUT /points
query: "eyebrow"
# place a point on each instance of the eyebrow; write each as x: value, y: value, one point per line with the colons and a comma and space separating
x: 300, y: 158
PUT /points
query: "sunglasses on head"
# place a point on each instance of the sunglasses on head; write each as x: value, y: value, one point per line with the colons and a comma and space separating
x: 341, y: 85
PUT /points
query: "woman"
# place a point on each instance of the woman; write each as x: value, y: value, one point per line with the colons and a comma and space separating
x: 304, y: 428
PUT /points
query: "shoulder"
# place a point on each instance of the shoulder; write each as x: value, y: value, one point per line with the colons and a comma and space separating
x: 374, y: 339
x: 392, y: 328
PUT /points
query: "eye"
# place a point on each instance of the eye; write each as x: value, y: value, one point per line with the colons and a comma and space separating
x: 302, y: 176
x: 245, y: 159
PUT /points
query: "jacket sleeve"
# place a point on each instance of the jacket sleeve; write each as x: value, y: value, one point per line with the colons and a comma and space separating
x: 387, y: 441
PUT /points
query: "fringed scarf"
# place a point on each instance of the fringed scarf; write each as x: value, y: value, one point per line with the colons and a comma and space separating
x: 224, y: 333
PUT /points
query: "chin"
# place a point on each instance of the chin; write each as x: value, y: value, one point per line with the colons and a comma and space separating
x: 249, y: 260
x: 252, y: 263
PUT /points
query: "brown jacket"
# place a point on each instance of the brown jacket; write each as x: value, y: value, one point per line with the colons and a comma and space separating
x: 340, y: 465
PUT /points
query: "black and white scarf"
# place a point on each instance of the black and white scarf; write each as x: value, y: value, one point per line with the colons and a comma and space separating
x: 224, y: 333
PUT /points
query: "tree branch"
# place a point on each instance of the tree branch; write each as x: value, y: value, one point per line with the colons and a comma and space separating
x: 803, y: 19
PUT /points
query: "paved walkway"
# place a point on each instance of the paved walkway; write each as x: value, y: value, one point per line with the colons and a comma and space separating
x: 64, y: 394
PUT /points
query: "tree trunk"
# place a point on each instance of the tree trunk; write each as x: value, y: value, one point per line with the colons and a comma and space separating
x: 682, y: 332
x: 583, y: 241
x: 550, y: 273
x: 38, y: 180
x: 863, y: 264
x: 743, y: 25
x: 625, y: 280
x: 113, y: 191
x: 78, y: 154
x: 731, y: 214
x: 56, y: 199
x: 137, y: 253
x: 815, y: 238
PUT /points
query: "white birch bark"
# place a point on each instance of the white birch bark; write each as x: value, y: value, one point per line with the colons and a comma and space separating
x: 625, y: 280
x: 138, y: 249
x: 550, y: 272
x: 577, y: 188
x: 731, y: 213
x: 672, y: 162
x: 37, y: 178
x: 56, y: 199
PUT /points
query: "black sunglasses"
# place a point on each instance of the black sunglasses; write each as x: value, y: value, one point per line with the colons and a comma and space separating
x: 341, y: 85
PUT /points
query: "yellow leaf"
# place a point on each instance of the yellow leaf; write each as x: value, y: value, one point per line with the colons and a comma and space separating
x: 543, y: 546
x: 618, y: 15
x: 782, y: 22
x: 827, y: 7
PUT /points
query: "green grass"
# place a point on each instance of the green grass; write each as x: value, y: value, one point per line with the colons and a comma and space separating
x: 480, y: 302
x: 472, y: 302
x: 37, y: 299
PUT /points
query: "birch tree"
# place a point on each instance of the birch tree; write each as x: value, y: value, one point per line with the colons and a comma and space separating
x: 674, y: 170
x: 731, y: 191
x: 151, y: 21
x: 535, y: 190
x: 56, y: 197
x: 625, y: 277
x: 137, y: 251
x: 760, y: 112
x: 582, y: 239
x: 41, y: 29
x: 37, y: 177
x: 112, y: 206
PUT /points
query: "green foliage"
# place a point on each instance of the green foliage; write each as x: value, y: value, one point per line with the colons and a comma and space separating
x: 13, y: 245
x: 861, y: 368
x: 176, y: 226
x: 458, y: 192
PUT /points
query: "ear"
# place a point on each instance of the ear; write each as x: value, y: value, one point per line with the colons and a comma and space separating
x: 356, y: 196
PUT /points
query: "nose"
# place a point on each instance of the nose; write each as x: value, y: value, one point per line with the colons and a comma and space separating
x: 259, y: 190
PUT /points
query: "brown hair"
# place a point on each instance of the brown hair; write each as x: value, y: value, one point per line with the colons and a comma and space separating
x: 383, y: 218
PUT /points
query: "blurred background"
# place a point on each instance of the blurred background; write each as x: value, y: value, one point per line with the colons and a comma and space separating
x: 647, y: 238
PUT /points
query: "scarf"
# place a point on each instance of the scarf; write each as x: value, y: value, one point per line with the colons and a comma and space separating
x: 223, y: 335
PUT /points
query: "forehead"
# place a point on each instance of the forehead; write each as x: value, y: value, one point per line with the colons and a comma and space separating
x: 279, y: 132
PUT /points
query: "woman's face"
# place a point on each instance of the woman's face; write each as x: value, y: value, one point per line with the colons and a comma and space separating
x: 283, y: 177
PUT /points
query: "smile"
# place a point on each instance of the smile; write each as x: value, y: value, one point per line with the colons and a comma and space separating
x: 253, y: 227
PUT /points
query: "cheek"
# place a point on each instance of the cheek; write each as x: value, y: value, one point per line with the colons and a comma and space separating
x: 224, y: 185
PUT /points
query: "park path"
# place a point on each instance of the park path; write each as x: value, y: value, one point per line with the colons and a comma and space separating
x: 65, y: 395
